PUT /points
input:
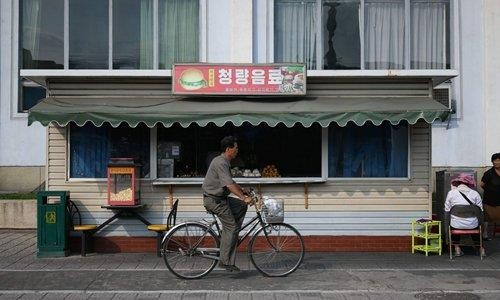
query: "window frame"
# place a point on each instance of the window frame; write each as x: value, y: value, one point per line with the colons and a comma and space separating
x: 16, y: 55
x: 452, y: 23
x: 202, y: 35
x: 281, y: 180
x: 258, y: 180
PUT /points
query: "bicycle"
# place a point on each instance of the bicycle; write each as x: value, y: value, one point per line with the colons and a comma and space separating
x: 191, y: 249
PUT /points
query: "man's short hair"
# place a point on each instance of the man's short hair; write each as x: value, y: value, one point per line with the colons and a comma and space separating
x: 228, y: 142
x: 495, y: 156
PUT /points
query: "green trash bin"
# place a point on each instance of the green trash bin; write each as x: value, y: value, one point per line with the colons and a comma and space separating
x: 53, y: 223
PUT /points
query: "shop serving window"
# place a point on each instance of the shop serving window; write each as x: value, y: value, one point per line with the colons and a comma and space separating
x: 368, y: 150
x: 264, y: 152
x: 367, y: 34
x: 92, y: 147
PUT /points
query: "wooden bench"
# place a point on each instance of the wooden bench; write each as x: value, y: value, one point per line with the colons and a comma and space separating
x: 86, y: 230
x: 160, y: 229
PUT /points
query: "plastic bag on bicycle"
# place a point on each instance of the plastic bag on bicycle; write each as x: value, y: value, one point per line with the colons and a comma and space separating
x: 274, y: 211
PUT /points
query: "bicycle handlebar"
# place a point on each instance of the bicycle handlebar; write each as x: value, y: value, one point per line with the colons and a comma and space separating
x: 255, y: 198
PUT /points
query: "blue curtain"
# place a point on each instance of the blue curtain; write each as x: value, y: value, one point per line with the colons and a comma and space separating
x: 368, y: 150
x: 91, y: 148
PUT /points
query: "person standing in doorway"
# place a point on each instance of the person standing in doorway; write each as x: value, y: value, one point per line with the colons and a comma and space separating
x: 217, y: 186
x: 491, y: 197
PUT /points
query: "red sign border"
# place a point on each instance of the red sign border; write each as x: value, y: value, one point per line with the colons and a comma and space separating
x: 174, y: 92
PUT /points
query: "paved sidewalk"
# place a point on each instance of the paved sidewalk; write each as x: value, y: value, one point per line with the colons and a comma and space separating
x: 322, y: 276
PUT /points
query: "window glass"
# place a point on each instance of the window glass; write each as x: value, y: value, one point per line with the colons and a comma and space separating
x: 384, y: 34
x: 88, y: 34
x: 264, y: 150
x: 178, y: 32
x: 383, y: 30
x: 430, y: 34
x: 91, y: 148
x: 30, y: 96
x: 341, y: 39
x: 42, y: 34
x: 368, y: 150
x: 132, y: 34
x: 295, y: 31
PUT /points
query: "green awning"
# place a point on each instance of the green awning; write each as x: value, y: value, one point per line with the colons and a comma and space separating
x: 204, y: 110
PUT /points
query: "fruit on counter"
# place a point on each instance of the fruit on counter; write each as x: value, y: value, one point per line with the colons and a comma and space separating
x: 270, y: 171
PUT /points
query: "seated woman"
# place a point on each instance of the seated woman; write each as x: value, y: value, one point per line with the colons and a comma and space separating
x: 461, y: 214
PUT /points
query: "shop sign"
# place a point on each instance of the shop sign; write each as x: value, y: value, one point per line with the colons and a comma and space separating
x: 239, y: 79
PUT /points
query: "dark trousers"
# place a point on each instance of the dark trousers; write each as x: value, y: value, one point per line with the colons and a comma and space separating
x: 231, y: 212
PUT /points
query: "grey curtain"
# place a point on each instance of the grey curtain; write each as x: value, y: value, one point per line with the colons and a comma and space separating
x: 146, y: 46
x: 179, y: 32
x: 295, y: 32
x: 31, y: 32
x: 428, y: 36
x: 384, y: 34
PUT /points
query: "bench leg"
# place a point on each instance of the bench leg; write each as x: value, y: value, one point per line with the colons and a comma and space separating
x: 159, y: 236
x: 84, y: 243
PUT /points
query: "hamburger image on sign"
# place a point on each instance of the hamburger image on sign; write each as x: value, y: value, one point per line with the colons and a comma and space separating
x: 192, y: 79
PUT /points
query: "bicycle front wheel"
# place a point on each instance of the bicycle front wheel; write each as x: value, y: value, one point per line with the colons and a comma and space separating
x: 190, y: 251
x: 276, y: 250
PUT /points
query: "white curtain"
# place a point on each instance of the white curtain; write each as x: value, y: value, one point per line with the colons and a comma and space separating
x: 179, y: 31
x: 146, y: 46
x: 428, y: 36
x: 295, y: 32
x: 31, y: 32
x: 384, y: 34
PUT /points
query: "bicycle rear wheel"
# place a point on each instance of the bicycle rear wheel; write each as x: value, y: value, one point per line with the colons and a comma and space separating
x: 185, y: 250
x: 276, y: 250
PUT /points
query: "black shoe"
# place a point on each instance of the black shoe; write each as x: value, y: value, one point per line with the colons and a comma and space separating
x: 230, y: 268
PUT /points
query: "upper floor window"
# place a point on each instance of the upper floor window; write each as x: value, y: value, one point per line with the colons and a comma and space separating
x: 133, y: 34
x: 88, y: 34
x: 41, y: 34
x: 369, y: 34
x: 179, y: 23
x: 430, y: 34
x: 108, y: 34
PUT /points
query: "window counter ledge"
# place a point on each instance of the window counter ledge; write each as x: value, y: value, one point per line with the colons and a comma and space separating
x: 199, y: 181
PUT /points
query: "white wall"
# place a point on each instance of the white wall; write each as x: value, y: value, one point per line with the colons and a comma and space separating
x: 229, y: 31
x: 461, y: 143
x: 20, y: 145
x: 492, y: 73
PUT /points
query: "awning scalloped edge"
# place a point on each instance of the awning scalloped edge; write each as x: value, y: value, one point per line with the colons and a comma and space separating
x: 272, y: 120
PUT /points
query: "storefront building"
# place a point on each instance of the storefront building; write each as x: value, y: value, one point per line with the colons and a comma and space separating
x: 351, y: 157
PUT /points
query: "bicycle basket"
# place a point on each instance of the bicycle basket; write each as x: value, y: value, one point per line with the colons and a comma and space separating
x: 273, y: 210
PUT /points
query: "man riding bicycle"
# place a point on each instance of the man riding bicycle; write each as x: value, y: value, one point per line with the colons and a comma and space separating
x: 217, y: 186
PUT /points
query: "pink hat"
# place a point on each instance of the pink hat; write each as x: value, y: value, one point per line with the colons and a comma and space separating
x: 466, y: 179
